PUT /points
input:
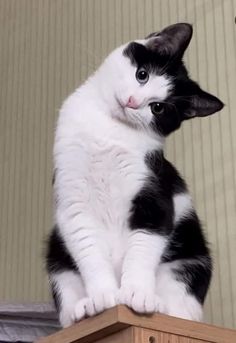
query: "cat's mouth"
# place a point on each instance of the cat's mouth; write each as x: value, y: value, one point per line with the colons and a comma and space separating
x: 124, y: 109
x: 121, y: 112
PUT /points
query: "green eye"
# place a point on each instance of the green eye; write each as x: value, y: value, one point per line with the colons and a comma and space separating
x: 142, y: 76
x: 157, y: 108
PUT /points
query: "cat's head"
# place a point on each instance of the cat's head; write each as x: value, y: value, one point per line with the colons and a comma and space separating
x: 150, y: 85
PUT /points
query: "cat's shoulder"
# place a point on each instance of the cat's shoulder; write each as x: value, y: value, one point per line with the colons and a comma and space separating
x: 167, y: 174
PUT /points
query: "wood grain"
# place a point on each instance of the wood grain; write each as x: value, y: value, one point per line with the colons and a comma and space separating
x: 171, y: 329
x: 126, y: 335
x: 152, y: 336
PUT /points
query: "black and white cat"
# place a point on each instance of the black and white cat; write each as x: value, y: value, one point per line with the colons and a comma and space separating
x: 126, y: 230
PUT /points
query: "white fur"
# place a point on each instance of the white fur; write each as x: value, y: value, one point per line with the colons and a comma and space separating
x: 182, y: 205
x: 175, y: 300
x: 71, y: 288
x: 99, y: 153
x: 139, y: 271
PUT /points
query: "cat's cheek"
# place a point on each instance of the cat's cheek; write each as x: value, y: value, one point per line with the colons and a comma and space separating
x: 139, y: 118
x: 118, y: 113
x: 144, y: 117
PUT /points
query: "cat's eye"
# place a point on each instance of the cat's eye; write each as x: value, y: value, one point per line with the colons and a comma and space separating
x: 156, y: 108
x: 142, y: 76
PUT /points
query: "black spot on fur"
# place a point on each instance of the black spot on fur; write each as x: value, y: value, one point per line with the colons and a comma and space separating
x: 169, y: 180
x: 152, y: 212
x: 153, y: 207
x: 58, y: 258
x: 187, y: 240
x: 196, y: 275
x: 141, y: 56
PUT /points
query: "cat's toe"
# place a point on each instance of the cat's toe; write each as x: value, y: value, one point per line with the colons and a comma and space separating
x: 94, y: 304
x: 85, y: 308
x: 125, y: 296
x: 80, y: 309
x: 104, y: 300
x: 150, y: 302
x: 139, y: 300
x: 90, y: 308
x: 144, y: 302
x: 159, y: 305
x: 111, y: 299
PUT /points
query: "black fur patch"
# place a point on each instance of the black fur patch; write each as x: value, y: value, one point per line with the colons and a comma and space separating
x: 167, y: 176
x: 142, y: 56
x: 57, y: 256
x: 187, y: 240
x: 196, y: 276
x: 152, y: 211
x: 58, y: 259
x: 153, y: 207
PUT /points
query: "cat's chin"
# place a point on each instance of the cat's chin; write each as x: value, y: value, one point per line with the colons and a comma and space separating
x: 125, y: 116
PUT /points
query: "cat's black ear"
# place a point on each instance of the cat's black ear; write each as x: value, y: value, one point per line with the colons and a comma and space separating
x: 201, y: 105
x: 172, y: 41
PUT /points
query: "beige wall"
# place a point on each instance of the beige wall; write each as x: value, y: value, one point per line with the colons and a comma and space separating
x: 47, y: 47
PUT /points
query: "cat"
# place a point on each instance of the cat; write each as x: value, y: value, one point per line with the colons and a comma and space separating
x: 126, y: 231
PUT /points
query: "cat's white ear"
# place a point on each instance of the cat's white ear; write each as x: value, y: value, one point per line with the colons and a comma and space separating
x: 202, y: 104
x: 172, y: 41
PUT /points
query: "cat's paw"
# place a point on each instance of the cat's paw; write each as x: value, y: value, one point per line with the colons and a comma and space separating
x: 142, y: 301
x: 97, y: 303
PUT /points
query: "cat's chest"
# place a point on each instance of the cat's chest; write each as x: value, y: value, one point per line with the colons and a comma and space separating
x: 116, y: 173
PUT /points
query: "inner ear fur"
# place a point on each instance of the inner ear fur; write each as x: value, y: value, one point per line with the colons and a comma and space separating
x: 203, y: 104
x: 171, y: 41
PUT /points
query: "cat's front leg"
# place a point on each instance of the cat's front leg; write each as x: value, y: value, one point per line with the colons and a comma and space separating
x: 100, y: 282
x: 139, y: 272
x: 91, y: 256
x: 102, y: 296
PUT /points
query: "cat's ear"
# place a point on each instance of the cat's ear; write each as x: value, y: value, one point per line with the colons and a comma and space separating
x: 172, y: 41
x: 201, y: 105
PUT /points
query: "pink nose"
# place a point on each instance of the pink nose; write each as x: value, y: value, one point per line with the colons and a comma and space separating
x: 132, y: 103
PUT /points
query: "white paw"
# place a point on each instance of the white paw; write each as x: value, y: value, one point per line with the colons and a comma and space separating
x: 97, y: 303
x: 142, y: 301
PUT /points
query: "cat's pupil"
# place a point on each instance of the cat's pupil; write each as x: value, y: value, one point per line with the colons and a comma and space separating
x: 142, y: 75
